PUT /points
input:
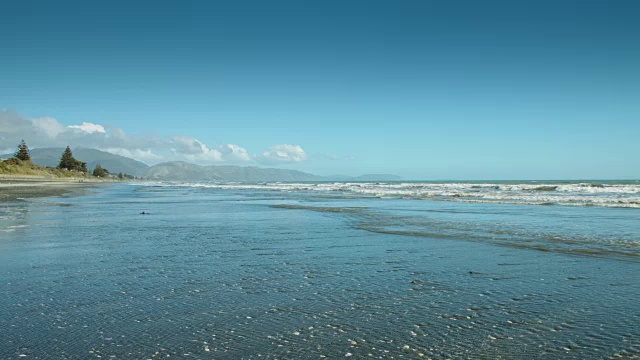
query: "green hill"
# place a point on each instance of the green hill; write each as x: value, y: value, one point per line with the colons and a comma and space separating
x: 17, y: 168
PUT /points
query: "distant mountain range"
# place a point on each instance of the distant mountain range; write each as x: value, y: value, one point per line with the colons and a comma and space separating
x: 183, y: 171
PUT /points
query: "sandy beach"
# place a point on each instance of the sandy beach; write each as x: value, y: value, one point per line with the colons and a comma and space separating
x: 13, y: 188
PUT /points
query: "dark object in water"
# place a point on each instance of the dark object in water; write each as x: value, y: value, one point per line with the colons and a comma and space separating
x: 145, y: 213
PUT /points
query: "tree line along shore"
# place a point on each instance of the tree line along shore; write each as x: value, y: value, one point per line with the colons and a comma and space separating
x: 20, y: 167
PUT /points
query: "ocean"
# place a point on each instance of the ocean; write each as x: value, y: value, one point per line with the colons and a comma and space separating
x: 441, y: 270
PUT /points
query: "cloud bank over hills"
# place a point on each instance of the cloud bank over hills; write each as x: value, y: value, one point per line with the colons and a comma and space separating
x: 150, y: 149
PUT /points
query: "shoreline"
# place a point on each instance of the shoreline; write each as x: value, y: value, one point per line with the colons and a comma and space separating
x: 15, y: 188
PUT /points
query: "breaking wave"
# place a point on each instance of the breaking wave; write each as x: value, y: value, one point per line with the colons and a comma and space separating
x: 602, y: 194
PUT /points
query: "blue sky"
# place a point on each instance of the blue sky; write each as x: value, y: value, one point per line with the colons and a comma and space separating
x: 422, y: 89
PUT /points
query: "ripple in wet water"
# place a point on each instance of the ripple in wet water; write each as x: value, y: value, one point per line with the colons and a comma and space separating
x: 244, y: 280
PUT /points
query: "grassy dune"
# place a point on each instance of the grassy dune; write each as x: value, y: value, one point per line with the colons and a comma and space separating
x: 17, y: 168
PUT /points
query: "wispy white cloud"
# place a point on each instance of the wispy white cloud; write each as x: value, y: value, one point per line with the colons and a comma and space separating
x: 49, y: 132
x: 49, y: 126
x: 196, y: 151
x: 332, y: 156
x: 89, y: 128
x: 188, y: 146
x: 151, y: 149
x: 234, y: 153
x: 146, y: 156
x: 282, y: 154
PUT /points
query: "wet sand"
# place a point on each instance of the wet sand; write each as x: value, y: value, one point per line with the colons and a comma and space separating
x: 228, y: 275
x: 11, y: 190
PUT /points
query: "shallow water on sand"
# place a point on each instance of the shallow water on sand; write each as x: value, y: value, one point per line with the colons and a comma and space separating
x: 247, y: 273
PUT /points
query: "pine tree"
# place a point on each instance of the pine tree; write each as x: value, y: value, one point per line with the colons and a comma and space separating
x: 99, y: 171
x: 67, y: 161
x: 23, y: 152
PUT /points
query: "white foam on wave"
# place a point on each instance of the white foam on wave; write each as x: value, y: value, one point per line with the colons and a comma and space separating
x: 11, y: 228
x: 568, y: 194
